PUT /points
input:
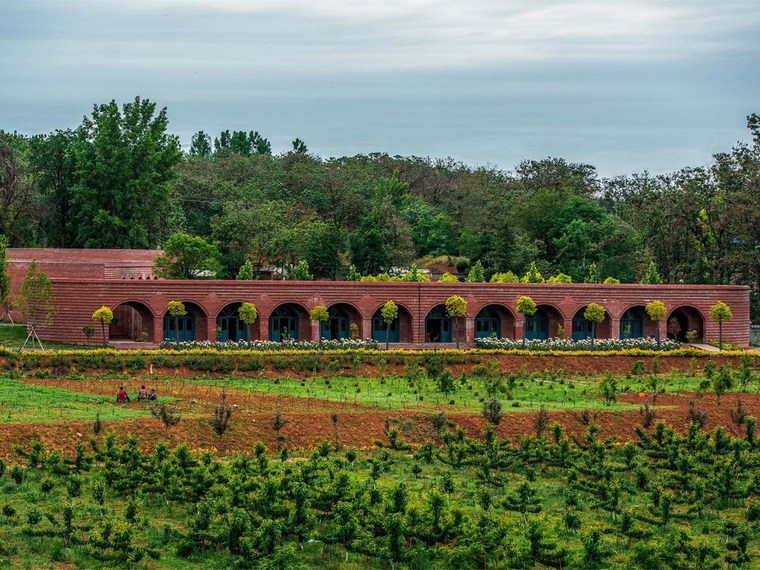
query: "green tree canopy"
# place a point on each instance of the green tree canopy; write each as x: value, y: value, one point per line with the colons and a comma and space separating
x: 720, y: 312
x: 476, y: 274
x: 389, y: 312
x: 124, y: 162
x: 656, y: 311
x: 456, y: 308
x: 187, y: 257
x: 105, y: 316
x: 248, y: 313
x: 448, y: 278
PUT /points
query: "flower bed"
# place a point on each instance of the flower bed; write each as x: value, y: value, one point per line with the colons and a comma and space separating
x: 271, y: 346
x: 608, y: 344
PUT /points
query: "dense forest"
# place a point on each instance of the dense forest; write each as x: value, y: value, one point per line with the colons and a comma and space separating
x: 121, y: 180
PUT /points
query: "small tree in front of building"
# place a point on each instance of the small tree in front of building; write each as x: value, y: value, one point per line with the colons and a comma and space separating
x: 527, y: 308
x: 105, y: 316
x: 176, y: 310
x: 656, y: 311
x: 319, y: 314
x: 35, y: 301
x: 596, y: 314
x: 248, y: 313
x: 389, y: 312
x: 719, y: 313
x: 456, y: 308
x: 5, y: 282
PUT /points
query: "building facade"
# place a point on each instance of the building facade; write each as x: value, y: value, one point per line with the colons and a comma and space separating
x: 123, y: 281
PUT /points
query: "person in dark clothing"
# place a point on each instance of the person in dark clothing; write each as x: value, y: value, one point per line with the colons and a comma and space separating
x: 152, y: 397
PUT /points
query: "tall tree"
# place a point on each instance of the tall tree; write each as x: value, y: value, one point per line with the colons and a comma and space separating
x: 124, y: 161
x: 19, y: 199
x: 200, y: 145
x: 52, y: 161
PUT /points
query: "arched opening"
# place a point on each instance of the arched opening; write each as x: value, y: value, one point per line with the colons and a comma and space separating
x: 132, y: 320
x: 289, y: 322
x: 192, y: 326
x: 230, y: 327
x: 438, y: 325
x: 494, y: 321
x: 682, y: 320
x: 401, y: 327
x: 543, y: 324
x: 584, y: 328
x: 338, y: 325
x: 632, y: 324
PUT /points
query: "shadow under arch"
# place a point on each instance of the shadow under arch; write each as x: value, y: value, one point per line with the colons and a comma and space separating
x: 132, y: 320
x: 683, y: 319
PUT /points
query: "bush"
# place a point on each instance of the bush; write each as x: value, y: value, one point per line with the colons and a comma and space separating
x: 492, y: 411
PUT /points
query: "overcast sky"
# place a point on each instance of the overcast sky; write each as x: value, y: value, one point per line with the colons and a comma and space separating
x: 625, y: 85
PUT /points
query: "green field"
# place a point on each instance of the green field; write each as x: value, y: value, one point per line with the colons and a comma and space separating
x: 518, y: 392
x: 25, y: 403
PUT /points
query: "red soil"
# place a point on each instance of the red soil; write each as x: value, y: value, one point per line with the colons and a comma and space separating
x: 309, y: 421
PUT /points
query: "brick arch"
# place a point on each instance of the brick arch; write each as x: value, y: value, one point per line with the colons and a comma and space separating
x: 648, y: 326
x: 249, y: 332
x: 506, y: 321
x: 405, y: 324
x: 682, y: 319
x: 333, y: 327
x: 302, y: 312
x: 198, y: 317
x: 603, y: 329
x: 554, y: 317
x: 133, y: 320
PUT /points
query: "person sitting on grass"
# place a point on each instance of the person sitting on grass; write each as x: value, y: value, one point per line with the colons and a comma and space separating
x: 142, y: 394
x: 122, y: 397
x: 152, y: 397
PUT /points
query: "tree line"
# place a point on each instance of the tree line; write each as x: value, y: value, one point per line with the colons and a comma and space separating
x: 121, y: 180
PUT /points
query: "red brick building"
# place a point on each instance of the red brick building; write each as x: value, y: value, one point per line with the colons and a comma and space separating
x: 84, y: 280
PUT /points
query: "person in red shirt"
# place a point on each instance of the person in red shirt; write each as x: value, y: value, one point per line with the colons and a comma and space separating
x: 122, y: 396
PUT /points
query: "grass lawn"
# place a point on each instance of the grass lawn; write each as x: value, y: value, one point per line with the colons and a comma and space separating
x: 13, y: 336
x: 29, y: 403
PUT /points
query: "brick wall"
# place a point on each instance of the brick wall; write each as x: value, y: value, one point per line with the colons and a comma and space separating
x: 78, y: 298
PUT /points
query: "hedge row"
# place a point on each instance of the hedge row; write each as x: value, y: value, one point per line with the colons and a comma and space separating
x: 297, y: 361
